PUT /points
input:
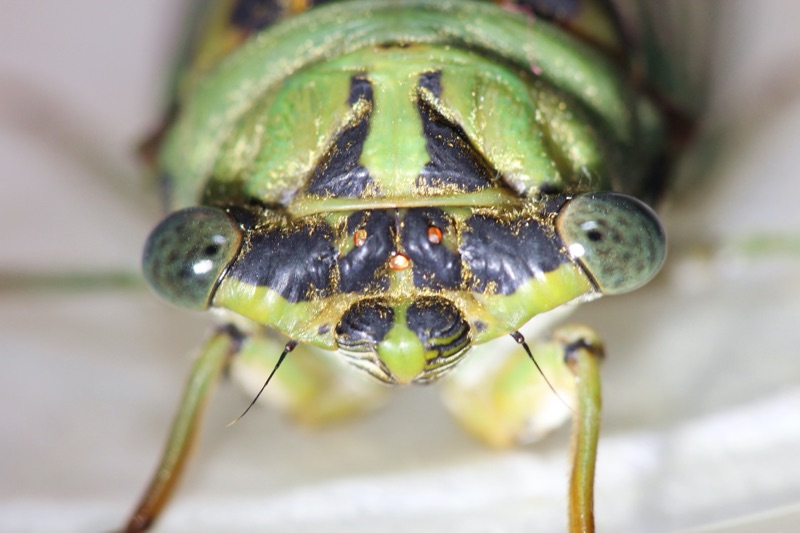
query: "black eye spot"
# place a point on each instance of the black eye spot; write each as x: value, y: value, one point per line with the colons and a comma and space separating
x: 594, y: 235
x: 211, y: 249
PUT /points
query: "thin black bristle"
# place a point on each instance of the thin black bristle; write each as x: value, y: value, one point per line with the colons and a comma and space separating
x: 286, y: 349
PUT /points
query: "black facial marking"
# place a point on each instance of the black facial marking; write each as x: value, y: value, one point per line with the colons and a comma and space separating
x: 361, y: 269
x: 454, y: 164
x: 364, y: 325
x: 295, y: 262
x: 508, y: 254
x: 435, y: 266
x: 552, y: 204
x: 438, y: 325
x: 255, y: 15
x: 339, y: 174
x: 245, y: 217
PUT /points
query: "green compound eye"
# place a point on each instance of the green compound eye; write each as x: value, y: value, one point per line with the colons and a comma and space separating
x: 617, y: 238
x: 188, y: 252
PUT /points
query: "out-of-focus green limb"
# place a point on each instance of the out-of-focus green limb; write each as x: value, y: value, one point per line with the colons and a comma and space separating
x: 584, y: 352
x: 501, y: 397
x: 212, y: 361
x: 770, y: 245
x: 75, y: 281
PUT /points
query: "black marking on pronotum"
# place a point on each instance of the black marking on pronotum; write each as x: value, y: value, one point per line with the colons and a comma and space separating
x: 360, y: 270
x: 439, y: 326
x: 432, y: 81
x: 560, y: 10
x: 435, y: 266
x: 360, y: 89
x: 255, y: 15
x: 364, y: 325
x: 296, y: 262
x: 338, y: 173
x: 455, y: 165
x: 508, y: 254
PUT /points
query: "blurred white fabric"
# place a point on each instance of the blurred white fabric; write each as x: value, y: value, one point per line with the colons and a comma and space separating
x: 702, y: 384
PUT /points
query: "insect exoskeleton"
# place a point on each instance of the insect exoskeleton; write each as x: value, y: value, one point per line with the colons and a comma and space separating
x: 406, y: 193
x: 328, y: 170
x: 400, y: 181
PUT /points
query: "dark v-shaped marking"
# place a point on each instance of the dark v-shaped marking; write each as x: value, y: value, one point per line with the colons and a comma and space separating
x: 455, y: 165
x: 339, y: 173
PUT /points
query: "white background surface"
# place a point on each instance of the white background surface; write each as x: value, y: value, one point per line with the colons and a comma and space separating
x: 702, y: 419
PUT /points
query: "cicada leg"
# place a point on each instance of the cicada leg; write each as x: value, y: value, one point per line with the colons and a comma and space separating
x: 512, y: 403
x: 583, y: 351
x: 213, y: 360
x: 42, y: 117
x: 76, y: 281
x: 311, y: 387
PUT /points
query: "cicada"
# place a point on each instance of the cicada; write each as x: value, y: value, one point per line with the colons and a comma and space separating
x: 394, y: 183
x: 195, y: 75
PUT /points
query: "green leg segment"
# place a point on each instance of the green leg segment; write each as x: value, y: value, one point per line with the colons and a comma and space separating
x: 504, y: 400
x: 78, y: 281
x: 584, y: 351
x: 214, y: 358
x: 311, y: 387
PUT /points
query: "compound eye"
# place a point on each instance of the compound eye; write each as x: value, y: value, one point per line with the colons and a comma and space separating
x: 617, y: 238
x: 188, y: 252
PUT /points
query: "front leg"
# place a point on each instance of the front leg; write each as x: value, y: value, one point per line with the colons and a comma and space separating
x: 312, y: 387
x: 214, y: 358
x: 583, y: 351
x: 513, y: 403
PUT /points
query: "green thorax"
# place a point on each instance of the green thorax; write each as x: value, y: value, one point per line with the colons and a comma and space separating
x: 510, y: 100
